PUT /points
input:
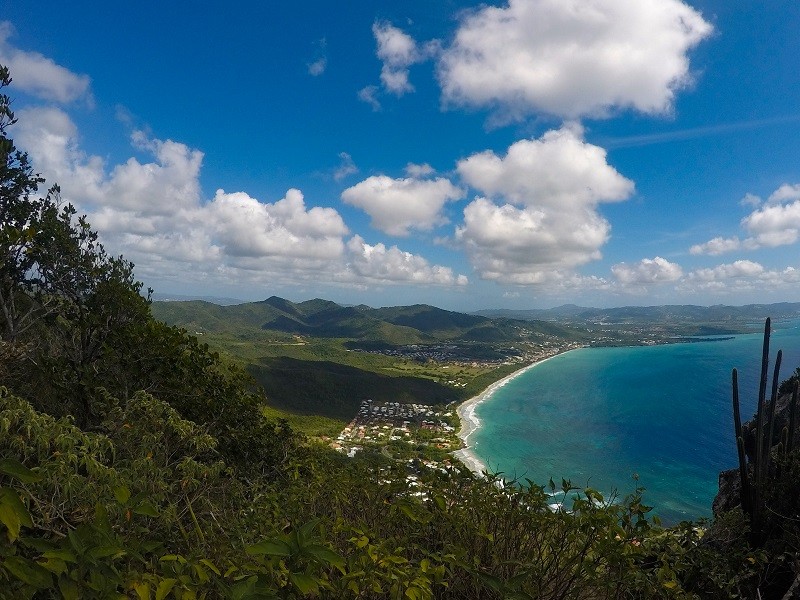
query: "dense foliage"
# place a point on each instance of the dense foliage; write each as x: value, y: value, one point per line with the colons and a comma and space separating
x: 135, y: 463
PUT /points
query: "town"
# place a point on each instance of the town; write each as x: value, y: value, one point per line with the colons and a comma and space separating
x: 404, y: 432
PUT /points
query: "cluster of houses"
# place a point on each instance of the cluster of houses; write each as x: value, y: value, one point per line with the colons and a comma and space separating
x: 379, y: 423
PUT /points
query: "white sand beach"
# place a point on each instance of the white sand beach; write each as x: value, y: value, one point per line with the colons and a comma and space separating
x: 470, y: 421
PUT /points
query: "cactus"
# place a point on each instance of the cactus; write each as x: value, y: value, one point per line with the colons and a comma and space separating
x: 754, y: 473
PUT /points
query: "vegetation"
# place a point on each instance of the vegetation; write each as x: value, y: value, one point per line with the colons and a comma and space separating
x: 769, y: 470
x: 137, y: 463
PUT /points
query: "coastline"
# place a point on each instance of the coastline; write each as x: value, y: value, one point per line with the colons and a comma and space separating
x: 470, y: 423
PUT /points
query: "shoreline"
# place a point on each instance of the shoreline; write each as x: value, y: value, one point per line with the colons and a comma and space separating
x: 470, y: 423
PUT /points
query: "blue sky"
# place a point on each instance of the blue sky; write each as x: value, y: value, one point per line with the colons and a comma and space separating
x: 511, y: 154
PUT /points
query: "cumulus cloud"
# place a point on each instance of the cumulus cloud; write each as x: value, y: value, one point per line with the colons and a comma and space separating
x: 739, y: 268
x: 556, y: 170
x: 398, y: 205
x: 538, y: 216
x: 775, y: 222
x: 159, y: 188
x: 41, y: 76
x: 398, y: 51
x: 739, y: 277
x: 153, y: 212
x: 249, y: 228
x: 383, y: 264
x: 572, y: 58
x: 418, y: 171
x: 647, y: 271
x: 717, y: 246
x: 785, y: 193
x: 529, y: 245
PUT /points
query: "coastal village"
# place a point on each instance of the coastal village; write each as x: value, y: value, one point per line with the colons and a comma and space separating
x: 423, y: 434
x: 402, y: 432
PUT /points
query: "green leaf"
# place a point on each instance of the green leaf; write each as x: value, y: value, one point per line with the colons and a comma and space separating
x: 142, y: 589
x: 28, y: 572
x: 122, y: 494
x: 414, y: 593
x: 101, y: 518
x: 252, y: 588
x: 325, y: 555
x: 305, y: 531
x: 16, y: 469
x: 13, y: 513
x: 273, y: 547
x: 55, y: 565
x: 164, y: 588
x: 210, y: 565
x: 169, y: 558
x: 493, y: 582
x: 105, y: 551
x: 306, y: 584
x: 147, y: 509
x: 68, y: 588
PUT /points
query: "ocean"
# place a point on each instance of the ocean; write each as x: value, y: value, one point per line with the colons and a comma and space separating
x: 614, y: 418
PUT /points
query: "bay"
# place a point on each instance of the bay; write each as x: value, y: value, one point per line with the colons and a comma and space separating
x: 615, y: 418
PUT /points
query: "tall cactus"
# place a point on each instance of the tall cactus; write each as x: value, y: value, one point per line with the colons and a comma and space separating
x: 754, y: 473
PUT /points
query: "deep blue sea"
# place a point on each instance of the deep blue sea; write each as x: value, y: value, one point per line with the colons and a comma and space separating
x: 597, y: 416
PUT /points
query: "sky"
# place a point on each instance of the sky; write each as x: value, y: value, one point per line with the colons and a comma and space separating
x: 519, y: 154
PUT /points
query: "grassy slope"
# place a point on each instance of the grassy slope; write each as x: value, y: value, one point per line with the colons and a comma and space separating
x: 317, y: 375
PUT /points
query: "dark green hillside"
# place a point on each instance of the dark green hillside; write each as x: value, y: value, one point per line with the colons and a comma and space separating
x: 320, y: 358
x: 418, y: 324
x: 318, y: 318
x: 334, y: 390
x: 736, y: 318
x: 429, y: 319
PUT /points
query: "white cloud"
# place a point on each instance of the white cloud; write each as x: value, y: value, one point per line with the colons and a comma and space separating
x: 249, y: 228
x: 398, y: 205
x: 557, y: 170
x: 319, y: 64
x: 572, y: 58
x: 158, y: 188
x: 717, y: 246
x: 383, y: 264
x: 546, y: 222
x: 647, y: 271
x: 773, y: 223
x: 153, y: 213
x: 369, y: 94
x: 41, y: 76
x: 419, y: 171
x: 739, y: 268
x: 529, y: 245
x: 741, y: 276
x: 317, y: 67
x: 784, y: 193
x: 398, y: 51
x: 750, y: 200
x: 346, y: 167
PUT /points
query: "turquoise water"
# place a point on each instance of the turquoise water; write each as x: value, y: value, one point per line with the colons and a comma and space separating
x: 597, y: 416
